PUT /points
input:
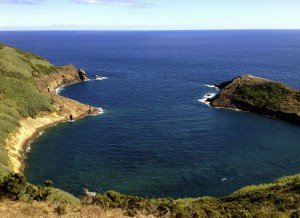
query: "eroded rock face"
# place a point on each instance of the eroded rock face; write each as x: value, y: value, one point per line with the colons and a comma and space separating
x: 66, y: 75
x: 259, y: 95
x: 82, y: 74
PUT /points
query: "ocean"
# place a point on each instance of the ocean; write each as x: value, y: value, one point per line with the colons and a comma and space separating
x: 155, y: 137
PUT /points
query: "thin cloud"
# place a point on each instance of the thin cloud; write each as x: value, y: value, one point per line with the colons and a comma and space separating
x: 22, y: 2
x: 123, y: 3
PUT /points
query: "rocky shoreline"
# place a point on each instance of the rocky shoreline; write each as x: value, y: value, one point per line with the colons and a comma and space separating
x: 259, y: 95
x: 30, y: 128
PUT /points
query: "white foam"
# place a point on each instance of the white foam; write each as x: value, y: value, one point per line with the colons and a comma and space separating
x: 101, y: 111
x: 224, y: 179
x: 59, y: 89
x: 206, y: 97
x: 29, y: 147
x: 98, y: 79
x: 212, y: 86
x: 101, y: 78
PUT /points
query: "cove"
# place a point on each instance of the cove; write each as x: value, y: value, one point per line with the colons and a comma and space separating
x: 155, y: 138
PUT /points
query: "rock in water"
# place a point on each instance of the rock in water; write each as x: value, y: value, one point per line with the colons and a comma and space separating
x: 82, y: 74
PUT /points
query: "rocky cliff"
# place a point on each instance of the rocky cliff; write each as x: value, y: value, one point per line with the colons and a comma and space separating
x: 66, y: 75
x: 259, y: 95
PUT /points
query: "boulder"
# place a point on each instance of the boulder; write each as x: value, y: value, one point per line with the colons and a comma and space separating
x: 82, y: 74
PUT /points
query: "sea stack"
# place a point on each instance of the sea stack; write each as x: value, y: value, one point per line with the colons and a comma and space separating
x: 82, y: 74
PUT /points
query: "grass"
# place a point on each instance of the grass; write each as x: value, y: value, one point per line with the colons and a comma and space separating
x: 270, y: 95
x: 59, y: 196
x: 19, y: 95
x: 23, y: 64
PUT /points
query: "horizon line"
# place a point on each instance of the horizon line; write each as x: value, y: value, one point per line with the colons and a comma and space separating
x: 143, y: 30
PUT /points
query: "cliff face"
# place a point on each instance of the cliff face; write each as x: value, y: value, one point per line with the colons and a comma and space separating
x: 259, y: 95
x: 66, y: 75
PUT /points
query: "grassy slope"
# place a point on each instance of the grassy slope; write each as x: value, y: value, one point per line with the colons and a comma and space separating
x: 19, y: 96
x: 254, y: 92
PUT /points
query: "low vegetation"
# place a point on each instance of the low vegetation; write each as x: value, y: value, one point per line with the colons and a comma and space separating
x: 270, y: 95
x: 19, y: 96
x: 15, y: 187
x: 278, y: 199
x: 274, y: 199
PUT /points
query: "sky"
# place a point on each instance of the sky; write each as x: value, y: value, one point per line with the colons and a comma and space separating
x: 148, y: 14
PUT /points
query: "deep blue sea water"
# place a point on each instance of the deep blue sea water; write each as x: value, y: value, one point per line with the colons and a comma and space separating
x: 155, y: 138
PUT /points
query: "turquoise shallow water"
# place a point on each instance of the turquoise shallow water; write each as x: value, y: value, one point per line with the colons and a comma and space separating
x: 155, y: 138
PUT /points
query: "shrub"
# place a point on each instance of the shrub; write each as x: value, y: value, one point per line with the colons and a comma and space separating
x: 15, y: 187
x: 269, y: 95
x: 59, y: 196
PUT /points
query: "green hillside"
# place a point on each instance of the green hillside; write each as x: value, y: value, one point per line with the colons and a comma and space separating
x: 21, y: 64
x: 19, y: 96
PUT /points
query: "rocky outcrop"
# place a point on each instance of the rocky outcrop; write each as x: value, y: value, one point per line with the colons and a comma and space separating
x: 67, y: 75
x: 82, y: 74
x: 259, y: 95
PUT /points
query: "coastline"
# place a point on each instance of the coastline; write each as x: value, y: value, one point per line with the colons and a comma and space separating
x: 30, y: 128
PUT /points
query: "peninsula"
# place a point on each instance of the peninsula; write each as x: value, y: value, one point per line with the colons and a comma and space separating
x: 29, y: 102
x: 259, y: 95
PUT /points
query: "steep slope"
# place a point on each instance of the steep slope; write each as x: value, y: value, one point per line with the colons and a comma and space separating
x: 260, y: 95
x: 29, y: 102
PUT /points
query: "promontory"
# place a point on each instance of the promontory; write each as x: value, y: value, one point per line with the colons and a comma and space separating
x: 259, y: 95
x: 29, y: 102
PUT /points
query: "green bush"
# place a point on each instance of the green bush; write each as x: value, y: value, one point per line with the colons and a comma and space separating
x: 15, y: 187
x: 269, y: 95
x: 59, y: 196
